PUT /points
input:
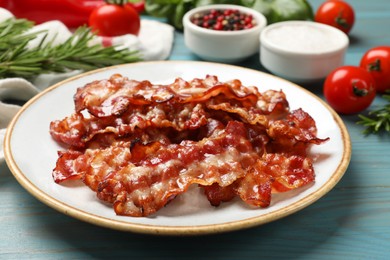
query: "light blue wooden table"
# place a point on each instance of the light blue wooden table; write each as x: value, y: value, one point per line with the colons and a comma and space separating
x: 350, y: 222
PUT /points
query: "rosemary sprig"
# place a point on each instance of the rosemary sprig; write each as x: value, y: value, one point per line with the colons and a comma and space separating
x: 11, y: 32
x: 16, y: 60
x: 377, y: 120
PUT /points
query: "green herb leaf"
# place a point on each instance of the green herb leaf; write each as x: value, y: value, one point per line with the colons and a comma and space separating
x: 74, y: 54
x: 274, y: 10
x: 377, y: 120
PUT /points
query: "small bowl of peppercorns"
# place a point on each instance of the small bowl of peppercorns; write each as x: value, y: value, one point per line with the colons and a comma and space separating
x: 223, y: 33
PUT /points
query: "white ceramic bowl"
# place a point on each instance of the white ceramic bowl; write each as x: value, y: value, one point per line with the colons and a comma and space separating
x: 223, y: 46
x: 302, y: 51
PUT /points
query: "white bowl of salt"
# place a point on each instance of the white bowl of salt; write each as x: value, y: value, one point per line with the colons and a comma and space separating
x: 302, y: 51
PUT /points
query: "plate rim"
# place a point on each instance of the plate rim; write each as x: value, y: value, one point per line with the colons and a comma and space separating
x: 175, y: 230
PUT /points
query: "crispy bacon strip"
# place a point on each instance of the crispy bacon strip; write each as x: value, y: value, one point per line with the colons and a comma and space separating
x: 70, y: 131
x: 66, y: 166
x: 171, y: 170
x: 143, y: 144
x: 77, y: 130
x: 293, y: 134
x: 114, y: 96
x: 271, y: 173
x: 141, y: 180
x: 105, y: 100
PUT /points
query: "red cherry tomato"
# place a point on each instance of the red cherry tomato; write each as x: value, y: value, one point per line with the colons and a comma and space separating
x: 349, y: 89
x: 115, y: 20
x: 377, y: 62
x: 336, y: 13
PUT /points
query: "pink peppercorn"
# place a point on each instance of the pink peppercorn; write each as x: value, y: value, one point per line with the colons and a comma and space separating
x: 224, y: 20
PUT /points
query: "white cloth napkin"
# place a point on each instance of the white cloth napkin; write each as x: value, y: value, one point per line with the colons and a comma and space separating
x: 154, y: 42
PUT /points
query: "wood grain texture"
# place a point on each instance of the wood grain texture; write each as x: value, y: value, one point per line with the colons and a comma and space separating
x: 350, y: 222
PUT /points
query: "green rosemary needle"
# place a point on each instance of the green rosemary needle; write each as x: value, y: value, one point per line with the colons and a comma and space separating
x: 16, y: 60
x: 377, y: 120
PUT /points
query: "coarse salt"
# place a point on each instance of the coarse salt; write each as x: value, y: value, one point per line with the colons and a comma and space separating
x: 303, y: 38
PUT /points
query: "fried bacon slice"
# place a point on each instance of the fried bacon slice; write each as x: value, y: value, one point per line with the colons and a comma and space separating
x: 119, y: 106
x: 76, y: 130
x: 169, y: 171
x: 293, y: 134
x: 138, y: 145
x: 143, y: 179
x: 271, y: 173
x: 115, y: 95
x: 66, y: 166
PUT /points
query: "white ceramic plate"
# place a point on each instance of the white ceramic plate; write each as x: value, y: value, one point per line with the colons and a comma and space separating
x: 31, y: 155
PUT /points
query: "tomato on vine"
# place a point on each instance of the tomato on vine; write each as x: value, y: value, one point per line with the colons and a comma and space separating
x: 377, y: 62
x: 349, y: 89
x: 336, y: 13
x: 115, y: 18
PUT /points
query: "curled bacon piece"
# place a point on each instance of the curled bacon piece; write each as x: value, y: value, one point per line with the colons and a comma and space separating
x: 272, y: 172
x: 138, y: 145
x: 70, y: 130
x: 151, y: 182
x: 114, y: 96
x: 294, y: 133
x: 66, y: 166
x: 119, y: 106
x: 78, y: 131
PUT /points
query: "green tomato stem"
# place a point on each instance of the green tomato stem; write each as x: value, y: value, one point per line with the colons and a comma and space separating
x: 116, y: 2
x: 358, y: 91
x: 341, y: 21
x: 375, y: 66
